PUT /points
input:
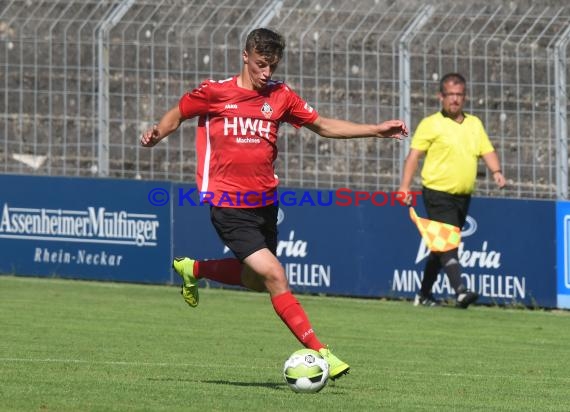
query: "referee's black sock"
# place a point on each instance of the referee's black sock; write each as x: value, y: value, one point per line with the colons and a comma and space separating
x: 431, y: 270
x: 450, y: 262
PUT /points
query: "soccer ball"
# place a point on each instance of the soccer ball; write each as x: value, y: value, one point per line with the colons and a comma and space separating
x: 306, y: 371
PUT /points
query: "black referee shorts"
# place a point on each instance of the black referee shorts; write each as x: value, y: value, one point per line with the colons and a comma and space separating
x: 246, y: 230
x: 446, y: 207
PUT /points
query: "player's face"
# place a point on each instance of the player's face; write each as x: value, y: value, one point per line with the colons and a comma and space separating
x: 259, y: 68
x: 453, y: 98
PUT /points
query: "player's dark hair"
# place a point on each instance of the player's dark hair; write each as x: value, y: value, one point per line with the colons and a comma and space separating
x: 267, y: 43
x: 454, y: 78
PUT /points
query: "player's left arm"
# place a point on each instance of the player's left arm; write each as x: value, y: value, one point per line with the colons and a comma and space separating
x: 494, y: 165
x: 343, y: 129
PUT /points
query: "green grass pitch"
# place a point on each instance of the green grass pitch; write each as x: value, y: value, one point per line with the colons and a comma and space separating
x: 90, y: 346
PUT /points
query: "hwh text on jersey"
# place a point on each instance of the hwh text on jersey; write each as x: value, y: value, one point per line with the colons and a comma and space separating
x: 239, y: 126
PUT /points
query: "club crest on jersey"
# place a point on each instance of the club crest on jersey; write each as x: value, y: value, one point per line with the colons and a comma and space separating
x: 267, y: 110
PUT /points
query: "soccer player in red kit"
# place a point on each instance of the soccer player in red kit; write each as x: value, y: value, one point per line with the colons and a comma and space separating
x: 236, y: 144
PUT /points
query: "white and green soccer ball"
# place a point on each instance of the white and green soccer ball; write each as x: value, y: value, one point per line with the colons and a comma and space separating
x: 306, y: 371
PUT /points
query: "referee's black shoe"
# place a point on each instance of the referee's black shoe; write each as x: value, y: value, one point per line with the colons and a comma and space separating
x: 464, y: 299
x: 428, y: 300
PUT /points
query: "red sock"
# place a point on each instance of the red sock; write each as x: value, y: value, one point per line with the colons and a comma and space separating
x: 226, y: 271
x: 293, y: 315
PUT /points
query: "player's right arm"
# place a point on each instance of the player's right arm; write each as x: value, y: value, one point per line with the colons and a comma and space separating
x: 168, y: 124
x: 410, y: 167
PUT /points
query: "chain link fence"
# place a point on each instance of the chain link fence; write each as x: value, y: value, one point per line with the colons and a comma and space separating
x: 80, y: 81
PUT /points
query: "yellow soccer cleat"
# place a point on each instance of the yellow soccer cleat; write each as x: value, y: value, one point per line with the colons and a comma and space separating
x: 337, y: 368
x: 185, y: 268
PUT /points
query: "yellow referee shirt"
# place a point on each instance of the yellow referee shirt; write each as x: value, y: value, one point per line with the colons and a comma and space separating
x: 452, y: 151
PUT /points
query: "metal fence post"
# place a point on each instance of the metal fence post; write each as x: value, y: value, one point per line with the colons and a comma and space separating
x: 405, y: 76
x: 560, y: 115
x: 103, y: 91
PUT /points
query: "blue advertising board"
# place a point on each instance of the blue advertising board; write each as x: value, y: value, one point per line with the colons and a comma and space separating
x: 329, y: 241
x: 103, y: 229
x: 193, y: 234
x: 563, y: 254
x: 328, y: 244
x: 507, y: 254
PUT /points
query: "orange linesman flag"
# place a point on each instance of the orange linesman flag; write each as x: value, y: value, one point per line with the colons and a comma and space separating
x: 439, y: 236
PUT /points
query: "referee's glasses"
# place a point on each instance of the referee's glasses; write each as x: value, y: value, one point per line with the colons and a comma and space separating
x: 458, y: 95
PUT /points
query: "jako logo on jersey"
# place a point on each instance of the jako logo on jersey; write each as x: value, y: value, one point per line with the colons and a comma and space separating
x: 231, y: 106
x: 308, y: 108
x: 266, y: 110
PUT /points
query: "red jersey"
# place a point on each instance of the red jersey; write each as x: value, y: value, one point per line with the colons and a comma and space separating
x: 236, y: 139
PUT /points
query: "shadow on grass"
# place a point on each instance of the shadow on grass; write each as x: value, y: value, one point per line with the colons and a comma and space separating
x: 258, y: 384
x: 270, y: 385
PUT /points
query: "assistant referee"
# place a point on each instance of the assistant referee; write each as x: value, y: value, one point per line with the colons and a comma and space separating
x: 452, y: 142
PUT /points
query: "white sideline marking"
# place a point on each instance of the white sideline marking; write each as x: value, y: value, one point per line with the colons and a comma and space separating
x: 125, y: 363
